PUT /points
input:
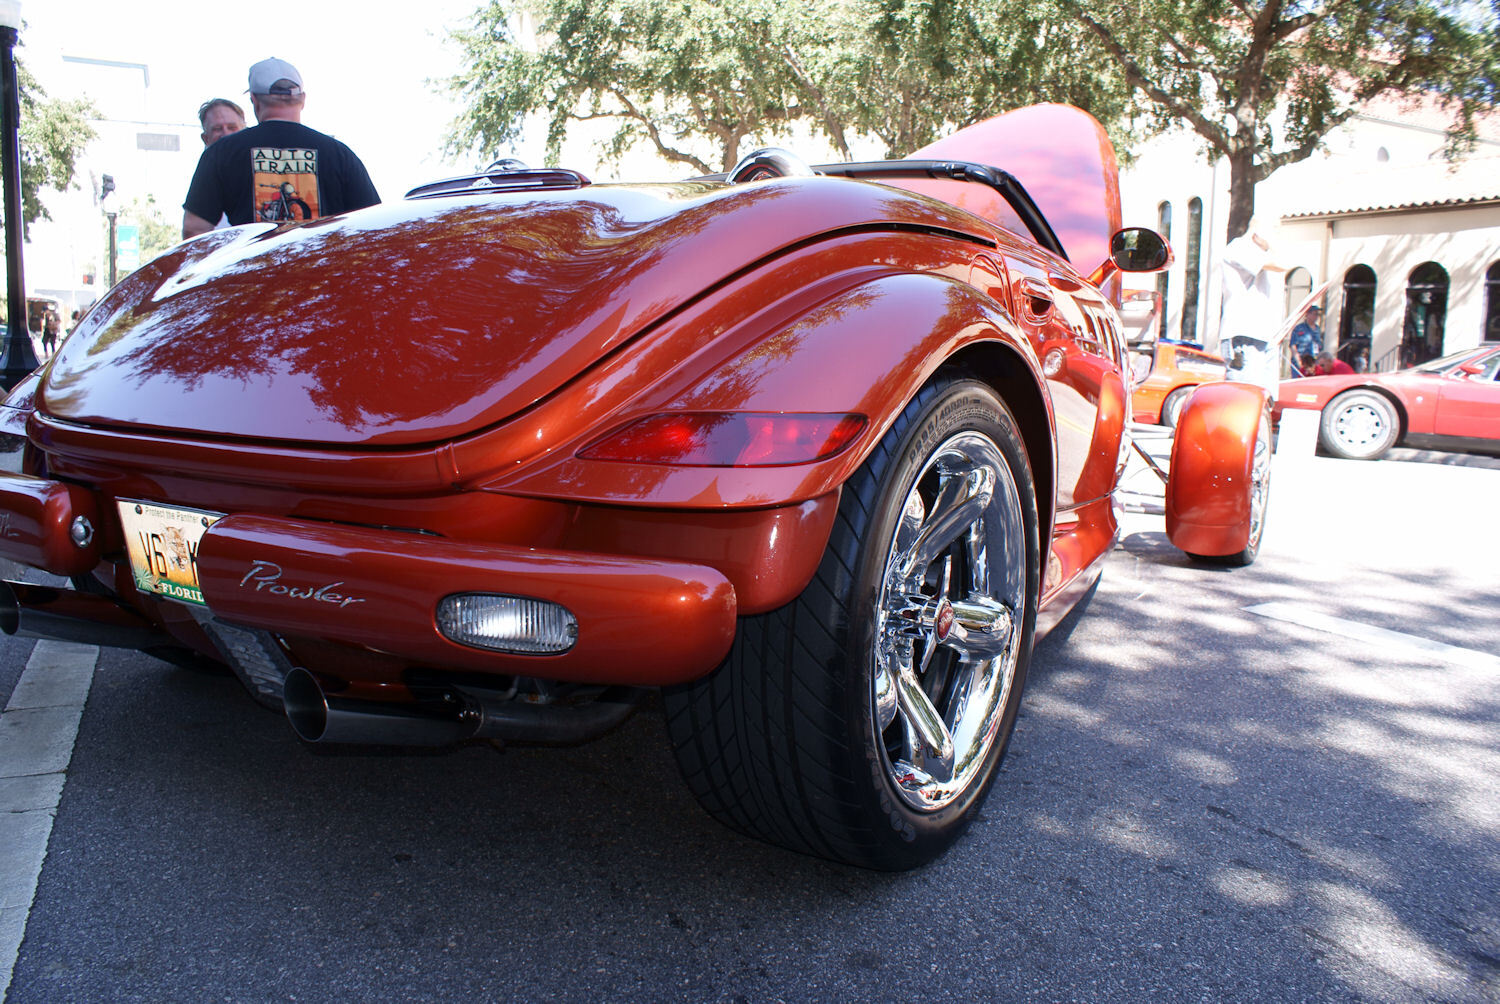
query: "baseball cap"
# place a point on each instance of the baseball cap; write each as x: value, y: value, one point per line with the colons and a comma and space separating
x: 268, y: 73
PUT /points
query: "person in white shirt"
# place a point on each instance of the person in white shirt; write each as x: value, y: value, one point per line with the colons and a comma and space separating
x: 1250, y: 313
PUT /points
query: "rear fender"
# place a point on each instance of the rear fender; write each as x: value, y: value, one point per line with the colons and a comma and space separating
x: 48, y: 524
x: 1208, y: 487
x: 865, y: 351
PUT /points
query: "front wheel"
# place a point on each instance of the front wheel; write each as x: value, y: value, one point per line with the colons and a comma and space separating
x: 864, y: 721
x: 1359, y: 425
x: 1259, y: 489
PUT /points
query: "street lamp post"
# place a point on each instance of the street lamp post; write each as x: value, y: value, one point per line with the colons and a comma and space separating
x: 18, y: 358
x: 106, y: 189
x: 113, y: 253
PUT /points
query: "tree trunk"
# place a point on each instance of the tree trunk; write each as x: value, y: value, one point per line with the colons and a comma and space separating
x: 1242, y: 178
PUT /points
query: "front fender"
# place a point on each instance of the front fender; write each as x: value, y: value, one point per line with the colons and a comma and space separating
x: 866, y: 350
x: 1209, y: 481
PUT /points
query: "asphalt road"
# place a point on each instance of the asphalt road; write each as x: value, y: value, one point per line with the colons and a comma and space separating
x: 1202, y: 801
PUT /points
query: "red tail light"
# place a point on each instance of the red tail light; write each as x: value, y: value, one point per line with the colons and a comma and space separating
x: 727, y: 439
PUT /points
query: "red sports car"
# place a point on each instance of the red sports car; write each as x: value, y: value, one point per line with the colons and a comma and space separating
x: 1452, y: 403
x: 1168, y: 370
x: 817, y: 454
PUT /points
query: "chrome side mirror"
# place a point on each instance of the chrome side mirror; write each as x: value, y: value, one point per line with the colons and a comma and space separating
x: 1138, y: 249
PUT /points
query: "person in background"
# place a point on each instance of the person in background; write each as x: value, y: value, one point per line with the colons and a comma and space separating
x: 1328, y: 365
x: 1249, y: 314
x: 51, y: 328
x: 1307, y: 337
x: 219, y: 117
x: 245, y: 175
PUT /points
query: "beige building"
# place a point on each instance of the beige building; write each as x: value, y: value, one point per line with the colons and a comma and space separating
x: 1409, y: 241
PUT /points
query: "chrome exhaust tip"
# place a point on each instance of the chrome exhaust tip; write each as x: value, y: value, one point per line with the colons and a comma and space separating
x: 317, y: 717
x: 305, y: 704
x: 32, y: 611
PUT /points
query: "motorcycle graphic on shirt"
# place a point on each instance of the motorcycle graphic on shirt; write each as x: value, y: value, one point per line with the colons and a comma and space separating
x: 286, y: 184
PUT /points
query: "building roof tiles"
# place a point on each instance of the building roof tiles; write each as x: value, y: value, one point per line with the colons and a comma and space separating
x: 1390, y: 187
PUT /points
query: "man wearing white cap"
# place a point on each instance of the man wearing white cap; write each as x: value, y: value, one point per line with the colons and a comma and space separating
x: 279, y: 170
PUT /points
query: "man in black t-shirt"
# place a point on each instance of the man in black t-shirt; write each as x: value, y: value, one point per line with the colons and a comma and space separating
x: 277, y: 170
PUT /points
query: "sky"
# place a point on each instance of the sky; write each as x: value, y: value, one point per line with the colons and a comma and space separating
x: 366, y: 67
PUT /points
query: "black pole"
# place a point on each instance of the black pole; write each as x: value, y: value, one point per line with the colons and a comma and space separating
x: 111, y: 249
x: 18, y: 358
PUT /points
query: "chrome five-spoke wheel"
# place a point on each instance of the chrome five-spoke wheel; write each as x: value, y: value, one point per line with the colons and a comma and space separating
x: 951, y: 602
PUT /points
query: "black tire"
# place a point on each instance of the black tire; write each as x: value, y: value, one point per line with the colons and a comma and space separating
x: 1171, y: 406
x: 810, y: 734
x: 1359, y: 425
x: 1260, y: 498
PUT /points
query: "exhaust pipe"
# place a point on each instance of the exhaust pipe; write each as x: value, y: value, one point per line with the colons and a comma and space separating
x: 318, y: 717
x: 31, y: 611
x: 554, y: 725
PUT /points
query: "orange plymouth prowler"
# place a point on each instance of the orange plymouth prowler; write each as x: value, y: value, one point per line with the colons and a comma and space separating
x: 816, y: 453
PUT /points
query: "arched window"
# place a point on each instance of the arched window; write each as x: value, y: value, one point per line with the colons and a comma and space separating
x: 1357, y: 316
x: 1491, y: 331
x: 1190, y: 270
x: 1298, y: 285
x: 1163, y: 227
x: 1426, y: 310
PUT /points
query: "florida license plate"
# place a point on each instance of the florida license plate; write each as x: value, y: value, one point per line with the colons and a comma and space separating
x: 162, y: 543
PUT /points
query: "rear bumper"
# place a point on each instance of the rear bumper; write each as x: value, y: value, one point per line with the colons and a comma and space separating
x: 641, y: 621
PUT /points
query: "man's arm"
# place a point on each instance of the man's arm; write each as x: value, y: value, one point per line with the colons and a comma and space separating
x: 193, y: 225
x: 205, y: 198
x: 1274, y: 259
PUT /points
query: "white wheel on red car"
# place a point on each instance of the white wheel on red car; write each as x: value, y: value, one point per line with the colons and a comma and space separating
x: 1359, y: 425
x: 865, y: 720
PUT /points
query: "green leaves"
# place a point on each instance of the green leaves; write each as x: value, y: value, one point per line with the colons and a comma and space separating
x: 1261, y: 81
x: 157, y: 234
x: 53, y: 135
x: 693, y: 79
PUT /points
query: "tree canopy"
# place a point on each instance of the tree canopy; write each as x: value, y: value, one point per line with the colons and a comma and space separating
x: 691, y: 78
x: 1261, y: 82
x: 54, y: 134
x: 698, y: 82
x: 921, y: 69
x: 156, y: 233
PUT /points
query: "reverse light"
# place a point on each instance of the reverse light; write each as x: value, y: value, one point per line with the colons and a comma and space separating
x: 515, y: 624
x: 728, y: 439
